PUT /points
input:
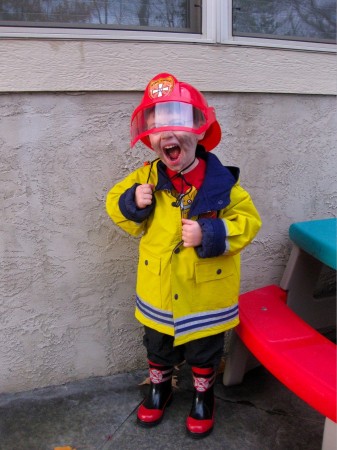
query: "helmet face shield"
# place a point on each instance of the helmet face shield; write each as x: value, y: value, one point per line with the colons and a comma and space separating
x: 167, y: 116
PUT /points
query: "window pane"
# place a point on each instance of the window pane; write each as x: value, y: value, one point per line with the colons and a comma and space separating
x: 305, y: 20
x: 162, y: 15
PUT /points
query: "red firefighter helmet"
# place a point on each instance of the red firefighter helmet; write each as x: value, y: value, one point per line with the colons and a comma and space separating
x: 171, y: 104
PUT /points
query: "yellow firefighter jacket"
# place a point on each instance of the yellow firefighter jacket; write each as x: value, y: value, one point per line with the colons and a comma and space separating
x: 188, y: 293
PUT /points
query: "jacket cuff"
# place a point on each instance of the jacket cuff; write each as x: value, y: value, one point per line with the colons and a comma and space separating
x: 213, y: 238
x: 129, y: 209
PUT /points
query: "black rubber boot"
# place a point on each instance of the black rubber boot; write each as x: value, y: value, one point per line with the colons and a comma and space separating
x: 151, y: 411
x: 200, y: 422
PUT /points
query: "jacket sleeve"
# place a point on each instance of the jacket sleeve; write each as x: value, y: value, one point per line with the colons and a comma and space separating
x: 128, y: 207
x: 213, y: 238
x: 241, y: 221
x: 121, y: 206
x: 233, y: 230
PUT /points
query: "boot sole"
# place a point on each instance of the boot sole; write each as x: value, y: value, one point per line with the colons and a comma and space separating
x: 199, y: 435
x: 149, y: 424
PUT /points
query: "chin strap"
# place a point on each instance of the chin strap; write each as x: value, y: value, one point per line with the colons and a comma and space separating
x: 181, y: 176
x: 187, y: 167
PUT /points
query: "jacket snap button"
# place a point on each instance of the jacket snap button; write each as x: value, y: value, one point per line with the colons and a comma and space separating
x: 218, y: 271
x: 176, y: 296
x: 146, y: 262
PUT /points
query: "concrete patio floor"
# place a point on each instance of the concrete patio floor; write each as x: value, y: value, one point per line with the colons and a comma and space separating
x: 100, y: 414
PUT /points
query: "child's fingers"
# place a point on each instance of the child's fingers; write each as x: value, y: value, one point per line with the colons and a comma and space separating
x: 148, y: 186
x: 187, y: 222
x: 191, y: 233
x: 143, y: 195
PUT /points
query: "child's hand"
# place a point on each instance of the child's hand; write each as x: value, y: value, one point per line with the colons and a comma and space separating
x: 143, y: 195
x: 192, y: 234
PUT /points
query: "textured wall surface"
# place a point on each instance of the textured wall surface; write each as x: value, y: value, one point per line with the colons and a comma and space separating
x: 88, y: 65
x: 67, y: 274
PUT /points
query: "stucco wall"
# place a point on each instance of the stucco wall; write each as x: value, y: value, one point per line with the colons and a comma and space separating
x: 67, y: 273
x: 38, y: 65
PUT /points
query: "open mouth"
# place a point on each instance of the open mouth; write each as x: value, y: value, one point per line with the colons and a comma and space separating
x: 172, y: 152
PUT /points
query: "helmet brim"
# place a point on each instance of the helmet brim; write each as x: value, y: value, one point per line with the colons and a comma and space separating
x: 212, y: 137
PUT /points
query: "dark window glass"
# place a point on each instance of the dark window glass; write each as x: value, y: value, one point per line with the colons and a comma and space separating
x: 152, y: 15
x: 305, y: 20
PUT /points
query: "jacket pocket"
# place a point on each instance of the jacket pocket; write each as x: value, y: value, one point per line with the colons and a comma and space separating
x: 151, y: 263
x: 210, y: 272
x: 216, y: 283
x: 149, y: 278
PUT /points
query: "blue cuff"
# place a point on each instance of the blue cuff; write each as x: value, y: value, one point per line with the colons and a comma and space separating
x: 129, y: 209
x: 213, y: 238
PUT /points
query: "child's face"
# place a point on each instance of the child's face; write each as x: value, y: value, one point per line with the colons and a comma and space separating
x: 175, y: 148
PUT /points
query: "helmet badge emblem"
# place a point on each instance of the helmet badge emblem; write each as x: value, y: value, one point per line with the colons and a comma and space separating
x: 161, y: 87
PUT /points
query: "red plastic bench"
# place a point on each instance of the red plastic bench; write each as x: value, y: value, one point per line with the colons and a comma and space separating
x: 296, y: 354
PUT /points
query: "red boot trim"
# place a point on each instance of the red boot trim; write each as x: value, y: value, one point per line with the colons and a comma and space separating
x: 155, y: 364
x: 202, y: 371
x: 151, y: 417
x: 199, y: 429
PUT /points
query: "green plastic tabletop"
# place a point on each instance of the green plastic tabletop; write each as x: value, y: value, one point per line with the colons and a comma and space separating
x: 318, y: 238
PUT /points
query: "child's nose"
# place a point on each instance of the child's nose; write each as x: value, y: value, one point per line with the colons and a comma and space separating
x: 166, y: 134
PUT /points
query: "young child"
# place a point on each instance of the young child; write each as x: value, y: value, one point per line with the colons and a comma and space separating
x: 194, y: 219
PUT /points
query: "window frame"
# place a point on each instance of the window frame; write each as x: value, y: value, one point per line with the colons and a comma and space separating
x: 216, y: 29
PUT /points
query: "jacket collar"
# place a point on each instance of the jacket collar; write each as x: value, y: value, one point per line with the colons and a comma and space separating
x: 214, y: 194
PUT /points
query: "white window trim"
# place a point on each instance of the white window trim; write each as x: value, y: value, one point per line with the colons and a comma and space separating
x: 216, y: 26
